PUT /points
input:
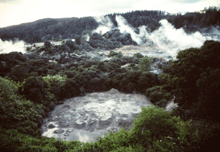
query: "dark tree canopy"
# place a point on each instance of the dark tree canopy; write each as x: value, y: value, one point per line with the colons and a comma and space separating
x: 195, y: 76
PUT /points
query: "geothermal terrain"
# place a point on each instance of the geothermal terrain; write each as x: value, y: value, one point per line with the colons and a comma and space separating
x: 95, y: 114
x: 100, y: 108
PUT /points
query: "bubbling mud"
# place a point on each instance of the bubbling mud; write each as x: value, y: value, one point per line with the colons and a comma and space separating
x: 86, y: 117
x: 95, y: 114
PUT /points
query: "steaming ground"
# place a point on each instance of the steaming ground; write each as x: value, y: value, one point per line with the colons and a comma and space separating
x: 164, y: 42
x: 20, y: 46
x: 10, y: 46
x: 87, y: 121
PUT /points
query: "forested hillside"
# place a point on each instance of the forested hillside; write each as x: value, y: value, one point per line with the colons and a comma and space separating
x: 48, y: 29
x: 195, y: 20
x: 56, y: 29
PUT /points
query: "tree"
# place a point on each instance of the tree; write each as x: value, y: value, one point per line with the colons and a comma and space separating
x: 209, y: 91
x: 144, y: 64
x: 35, y: 89
x: 154, y: 126
x: 188, y: 78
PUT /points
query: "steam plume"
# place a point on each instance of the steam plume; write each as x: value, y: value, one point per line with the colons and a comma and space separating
x: 171, y: 40
x: 105, y: 24
x: 10, y: 46
x: 167, y: 40
x: 124, y: 27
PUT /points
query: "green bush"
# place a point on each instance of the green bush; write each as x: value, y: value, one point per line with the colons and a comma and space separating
x: 147, y: 80
x: 70, y: 89
x: 35, y: 89
x: 156, y: 96
x: 204, y: 135
x: 8, y: 90
x: 17, y: 112
x: 168, y: 96
x: 209, y: 92
x: 57, y: 77
x: 144, y: 64
x: 138, y: 55
x: 112, y: 53
x: 159, y: 94
x: 154, y: 130
x: 157, y: 130
x: 150, y: 90
x: 19, y: 73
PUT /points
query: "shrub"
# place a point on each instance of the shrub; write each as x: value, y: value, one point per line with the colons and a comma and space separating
x: 70, y: 89
x: 59, y: 78
x: 35, y: 89
x: 144, y: 64
x: 112, y: 53
x: 157, y: 130
x: 153, y: 130
x: 138, y: 55
x: 156, y: 96
x: 8, y: 90
x: 16, y: 112
x: 209, y: 92
x: 150, y: 90
x: 147, y: 80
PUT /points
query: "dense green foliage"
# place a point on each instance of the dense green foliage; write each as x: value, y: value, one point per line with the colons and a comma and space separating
x: 30, y: 86
x: 144, y: 64
x: 194, y: 76
x: 17, y: 112
x: 205, y: 18
x: 35, y: 89
x: 159, y: 95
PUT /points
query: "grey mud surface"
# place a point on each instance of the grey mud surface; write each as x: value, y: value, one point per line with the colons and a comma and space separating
x: 95, y: 114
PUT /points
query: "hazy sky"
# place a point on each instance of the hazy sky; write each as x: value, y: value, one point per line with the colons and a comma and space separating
x: 20, y: 11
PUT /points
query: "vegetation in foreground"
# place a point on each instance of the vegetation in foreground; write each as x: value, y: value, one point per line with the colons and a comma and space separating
x: 154, y: 129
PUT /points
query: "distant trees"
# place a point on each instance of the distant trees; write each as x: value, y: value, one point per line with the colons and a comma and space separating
x: 139, y: 18
x: 55, y: 29
x: 206, y: 17
x: 47, y: 29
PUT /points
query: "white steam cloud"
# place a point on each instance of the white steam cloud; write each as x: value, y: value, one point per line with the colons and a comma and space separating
x: 10, y: 46
x: 166, y: 41
x: 172, y: 40
x: 124, y: 27
x: 105, y: 24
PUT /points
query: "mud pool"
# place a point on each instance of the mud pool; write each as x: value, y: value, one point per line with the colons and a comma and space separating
x: 87, y: 117
x: 95, y: 114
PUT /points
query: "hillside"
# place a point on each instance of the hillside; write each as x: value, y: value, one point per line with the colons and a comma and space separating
x: 69, y: 28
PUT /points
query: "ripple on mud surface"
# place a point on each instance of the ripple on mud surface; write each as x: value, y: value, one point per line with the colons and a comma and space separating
x: 85, y: 118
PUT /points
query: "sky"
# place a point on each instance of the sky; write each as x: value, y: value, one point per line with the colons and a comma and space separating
x: 13, y: 12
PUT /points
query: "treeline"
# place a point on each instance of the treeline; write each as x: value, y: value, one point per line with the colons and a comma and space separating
x: 69, y: 28
x: 139, y: 18
x: 195, y: 20
x: 48, y: 29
